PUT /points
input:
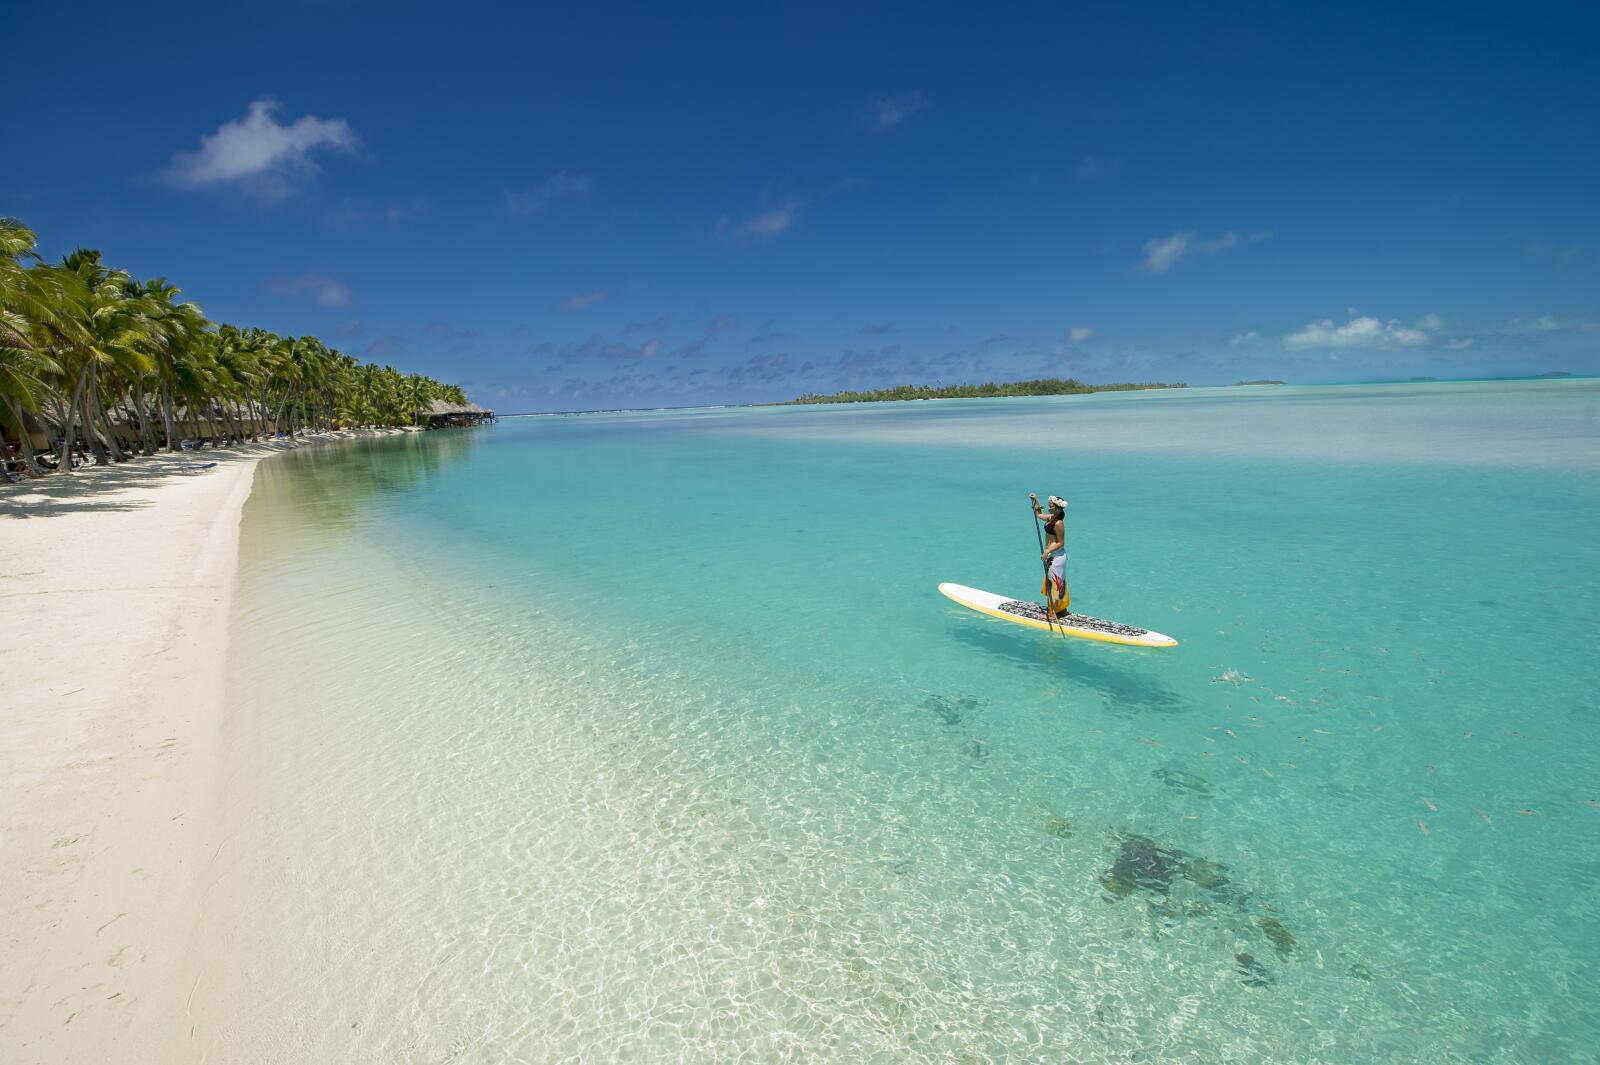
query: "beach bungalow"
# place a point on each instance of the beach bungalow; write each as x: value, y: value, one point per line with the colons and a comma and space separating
x: 442, y: 415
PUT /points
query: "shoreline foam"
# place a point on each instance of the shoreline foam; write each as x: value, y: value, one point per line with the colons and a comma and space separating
x: 115, y: 588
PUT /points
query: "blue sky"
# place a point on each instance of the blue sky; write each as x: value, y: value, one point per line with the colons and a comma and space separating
x: 614, y: 205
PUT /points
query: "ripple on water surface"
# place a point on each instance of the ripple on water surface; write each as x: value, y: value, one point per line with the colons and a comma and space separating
x: 495, y: 804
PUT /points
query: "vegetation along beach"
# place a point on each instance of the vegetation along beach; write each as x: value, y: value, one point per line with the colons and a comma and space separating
x: 474, y: 586
x: 987, y: 390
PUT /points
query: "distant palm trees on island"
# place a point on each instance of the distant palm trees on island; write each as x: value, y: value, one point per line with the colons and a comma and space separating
x: 1046, y: 386
x: 94, y: 363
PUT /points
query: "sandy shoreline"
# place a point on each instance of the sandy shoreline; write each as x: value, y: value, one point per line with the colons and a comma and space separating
x: 115, y: 588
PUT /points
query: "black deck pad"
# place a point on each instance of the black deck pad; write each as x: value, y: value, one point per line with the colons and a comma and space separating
x: 1077, y: 621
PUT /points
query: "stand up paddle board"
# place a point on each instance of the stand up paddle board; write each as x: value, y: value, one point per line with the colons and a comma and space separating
x: 1032, y: 615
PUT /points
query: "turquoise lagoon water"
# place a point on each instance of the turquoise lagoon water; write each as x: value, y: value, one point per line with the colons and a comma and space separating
x: 647, y: 737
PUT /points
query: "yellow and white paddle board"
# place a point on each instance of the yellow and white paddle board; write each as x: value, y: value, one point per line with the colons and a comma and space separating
x: 1032, y: 615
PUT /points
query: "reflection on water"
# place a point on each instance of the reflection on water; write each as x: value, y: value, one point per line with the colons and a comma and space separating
x: 331, y: 486
x: 1118, y: 675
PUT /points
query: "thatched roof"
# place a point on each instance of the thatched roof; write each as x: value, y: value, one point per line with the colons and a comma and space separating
x: 438, y: 407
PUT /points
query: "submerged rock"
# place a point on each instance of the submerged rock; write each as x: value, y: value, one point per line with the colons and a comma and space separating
x: 1251, y: 972
x: 1140, y: 863
x: 1279, y: 935
x: 1183, y: 780
x: 1208, y: 875
x: 1143, y: 865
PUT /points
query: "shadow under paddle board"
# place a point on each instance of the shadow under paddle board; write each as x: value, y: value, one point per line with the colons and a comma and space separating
x: 1032, y: 615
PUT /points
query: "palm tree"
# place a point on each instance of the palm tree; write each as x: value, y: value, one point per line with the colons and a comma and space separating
x: 176, y: 329
x: 80, y: 342
x: 25, y: 372
x: 98, y: 336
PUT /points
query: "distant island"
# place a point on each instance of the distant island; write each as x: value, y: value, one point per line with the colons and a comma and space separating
x: 1236, y: 384
x: 1046, y: 386
x: 1424, y: 379
x: 1555, y: 373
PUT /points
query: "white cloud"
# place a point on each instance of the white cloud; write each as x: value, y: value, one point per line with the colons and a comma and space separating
x: 1079, y: 332
x: 1545, y: 323
x: 578, y: 301
x: 1428, y: 333
x: 888, y: 112
x: 767, y: 224
x: 1163, y: 253
x: 319, y: 289
x: 538, y: 198
x: 1244, y: 340
x: 1361, y: 331
x: 259, y: 155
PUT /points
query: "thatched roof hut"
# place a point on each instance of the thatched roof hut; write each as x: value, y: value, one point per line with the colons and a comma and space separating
x: 439, y: 414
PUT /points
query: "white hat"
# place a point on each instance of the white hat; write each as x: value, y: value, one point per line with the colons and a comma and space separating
x: 1057, y: 501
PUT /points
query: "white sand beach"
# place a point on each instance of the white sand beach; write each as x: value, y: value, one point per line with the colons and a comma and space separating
x: 115, y: 586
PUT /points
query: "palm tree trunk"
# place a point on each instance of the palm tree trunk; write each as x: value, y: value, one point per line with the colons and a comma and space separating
x: 230, y: 411
x: 173, y: 443
x: 277, y: 416
x: 29, y: 461
x: 91, y: 428
x: 98, y: 408
x: 69, y: 411
x: 50, y: 418
x: 147, y: 438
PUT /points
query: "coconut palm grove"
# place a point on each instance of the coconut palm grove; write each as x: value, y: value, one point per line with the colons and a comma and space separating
x: 98, y: 366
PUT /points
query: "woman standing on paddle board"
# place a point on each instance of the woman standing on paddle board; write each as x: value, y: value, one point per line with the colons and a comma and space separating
x: 1054, y: 588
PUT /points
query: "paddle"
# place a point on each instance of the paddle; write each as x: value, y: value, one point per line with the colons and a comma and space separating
x: 1033, y: 508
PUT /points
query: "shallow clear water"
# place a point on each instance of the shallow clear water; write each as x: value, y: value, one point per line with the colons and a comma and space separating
x: 647, y: 737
